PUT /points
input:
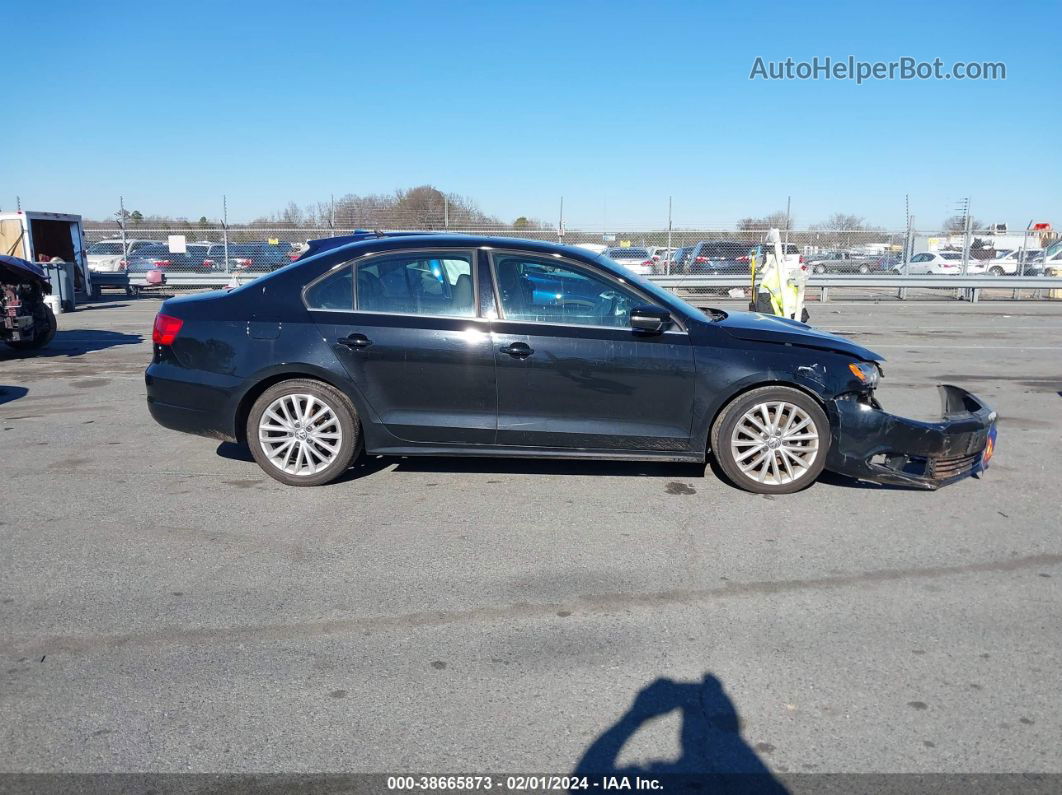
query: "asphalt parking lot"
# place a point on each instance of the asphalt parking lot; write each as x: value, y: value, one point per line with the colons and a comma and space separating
x: 165, y: 606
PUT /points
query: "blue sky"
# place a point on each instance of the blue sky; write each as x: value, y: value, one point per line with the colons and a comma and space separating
x: 614, y: 106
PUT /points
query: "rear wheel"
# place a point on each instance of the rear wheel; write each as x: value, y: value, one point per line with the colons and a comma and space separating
x: 864, y: 269
x: 995, y: 270
x: 303, y: 432
x: 772, y: 440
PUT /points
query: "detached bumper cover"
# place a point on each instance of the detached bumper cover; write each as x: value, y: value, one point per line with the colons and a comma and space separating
x: 870, y: 444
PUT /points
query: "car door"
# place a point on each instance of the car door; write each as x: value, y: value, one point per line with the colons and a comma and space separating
x: 920, y: 263
x: 572, y: 373
x: 405, y: 326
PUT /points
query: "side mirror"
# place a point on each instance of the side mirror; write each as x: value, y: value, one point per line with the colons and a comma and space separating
x: 651, y: 319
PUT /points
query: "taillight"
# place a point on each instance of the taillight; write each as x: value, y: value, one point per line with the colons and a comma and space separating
x: 701, y: 260
x: 648, y: 263
x: 165, y: 330
x: 123, y: 264
x: 800, y: 259
x: 161, y: 263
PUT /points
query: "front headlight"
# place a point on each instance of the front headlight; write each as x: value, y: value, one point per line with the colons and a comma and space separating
x: 867, y: 372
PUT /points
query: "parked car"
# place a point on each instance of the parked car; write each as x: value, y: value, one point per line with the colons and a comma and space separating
x: 933, y: 262
x: 107, y: 256
x: 715, y: 257
x: 1005, y: 263
x: 841, y: 262
x: 1050, y: 258
x: 463, y: 345
x: 661, y: 255
x: 159, y: 257
x: 210, y: 256
x: 259, y: 257
x: 636, y: 260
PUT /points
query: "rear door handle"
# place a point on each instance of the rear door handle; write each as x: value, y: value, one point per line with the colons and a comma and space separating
x: 355, y: 341
x: 520, y: 350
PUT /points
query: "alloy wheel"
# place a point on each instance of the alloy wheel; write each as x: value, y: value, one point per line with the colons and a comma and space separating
x: 775, y: 443
x: 300, y: 434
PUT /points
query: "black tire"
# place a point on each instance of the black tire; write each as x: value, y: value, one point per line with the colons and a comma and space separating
x: 345, y: 415
x: 819, y: 269
x: 725, y: 424
x: 995, y: 270
x: 47, y: 317
x: 864, y: 269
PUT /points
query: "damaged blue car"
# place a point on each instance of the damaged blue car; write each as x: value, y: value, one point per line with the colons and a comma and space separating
x: 449, y: 345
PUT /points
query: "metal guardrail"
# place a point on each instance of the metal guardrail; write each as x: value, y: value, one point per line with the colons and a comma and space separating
x: 820, y: 281
x: 972, y: 285
x: 823, y: 283
x: 138, y: 281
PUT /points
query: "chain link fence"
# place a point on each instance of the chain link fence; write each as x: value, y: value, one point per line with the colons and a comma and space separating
x: 245, y: 251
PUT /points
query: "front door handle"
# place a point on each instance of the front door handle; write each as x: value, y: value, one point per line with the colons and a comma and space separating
x: 355, y: 341
x: 520, y: 350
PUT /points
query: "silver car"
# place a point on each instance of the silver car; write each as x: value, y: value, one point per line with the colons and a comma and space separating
x: 636, y: 260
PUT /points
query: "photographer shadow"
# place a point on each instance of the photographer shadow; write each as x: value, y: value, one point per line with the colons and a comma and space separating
x: 713, y: 753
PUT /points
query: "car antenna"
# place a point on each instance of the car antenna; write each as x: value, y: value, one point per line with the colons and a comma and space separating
x: 378, y: 233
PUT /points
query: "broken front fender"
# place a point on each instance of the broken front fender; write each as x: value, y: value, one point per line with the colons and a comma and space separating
x: 871, y: 444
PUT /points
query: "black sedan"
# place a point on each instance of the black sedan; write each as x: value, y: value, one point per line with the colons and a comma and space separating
x: 452, y: 345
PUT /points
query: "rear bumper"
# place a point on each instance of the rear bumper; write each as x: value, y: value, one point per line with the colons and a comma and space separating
x: 191, y: 401
x: 870, y: 444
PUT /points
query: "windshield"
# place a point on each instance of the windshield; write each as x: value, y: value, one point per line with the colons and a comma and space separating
x: 105, y: 248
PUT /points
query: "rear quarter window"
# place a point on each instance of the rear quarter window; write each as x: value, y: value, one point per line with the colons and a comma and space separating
x: 333, y: 292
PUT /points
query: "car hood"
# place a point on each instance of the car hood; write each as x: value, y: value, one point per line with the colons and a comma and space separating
x: 18, y: 269
x: 757, y: 327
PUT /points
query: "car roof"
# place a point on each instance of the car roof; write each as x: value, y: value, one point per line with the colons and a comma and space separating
x: 398, y: 242
x: 442, y: 240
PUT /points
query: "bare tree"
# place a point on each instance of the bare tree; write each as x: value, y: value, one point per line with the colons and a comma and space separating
x: 776, y: 220
x: 957, y: 223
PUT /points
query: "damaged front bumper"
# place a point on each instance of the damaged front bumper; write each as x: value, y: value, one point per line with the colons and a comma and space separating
x: 870, y: 444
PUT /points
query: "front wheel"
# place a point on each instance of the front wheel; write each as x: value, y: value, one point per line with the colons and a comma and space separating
x: 772, y: 440
x: 43, y: 332
x: 995, y: 270
x: 303, y: 432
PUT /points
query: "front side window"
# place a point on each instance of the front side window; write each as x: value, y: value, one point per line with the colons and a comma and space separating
x: 922, y: 258
x: 550, y: 291
x: 417, y: 284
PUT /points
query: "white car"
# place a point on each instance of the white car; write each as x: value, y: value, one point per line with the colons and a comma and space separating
x: 636, y: 260
x: 1004, y: 263
x: 107, y: 256
x: 938, y: 263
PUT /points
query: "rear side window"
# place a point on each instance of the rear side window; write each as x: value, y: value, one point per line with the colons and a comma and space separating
x: 437, y: 284
x: 335, y: 291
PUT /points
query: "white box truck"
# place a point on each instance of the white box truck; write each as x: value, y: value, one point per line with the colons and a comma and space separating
x: 56, y: 242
